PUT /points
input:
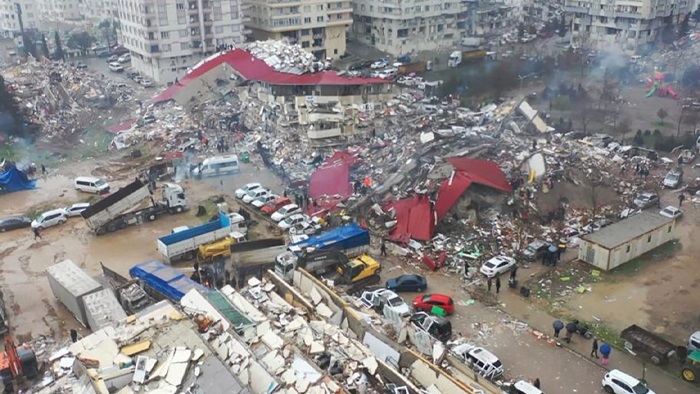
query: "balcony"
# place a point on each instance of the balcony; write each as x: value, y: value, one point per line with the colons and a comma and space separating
x: 315, y: 134
x: 314, y: 117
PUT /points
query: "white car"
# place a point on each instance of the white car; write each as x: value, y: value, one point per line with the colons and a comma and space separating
x: 379, y: 64
x: 618, y: 382
x: 305, y: 228
x: 381, y: 297
x: 479, y: 358
x: 262, y: 200
x: 125, y: 58
x: 75, y: 209
x: 49, y: 219
x: 253, y: 194
x: 671, y: 212
x: 287, y: 210
x: 147, y: 83
x: 291, y: 220
x: 497, y: 265
x: 240, y: 193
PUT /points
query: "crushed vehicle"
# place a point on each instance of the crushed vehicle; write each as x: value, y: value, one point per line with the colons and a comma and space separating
x: 438, y: 327
x: 646, y: 200
x: 383, y: 298
x: 480, y: 359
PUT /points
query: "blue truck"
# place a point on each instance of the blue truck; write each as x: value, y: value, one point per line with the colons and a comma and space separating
x: 183, y: 245
x: 163, y: 281
x: 351, y: 240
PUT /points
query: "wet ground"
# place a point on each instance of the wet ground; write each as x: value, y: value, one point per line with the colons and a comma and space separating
x: 32, y: 308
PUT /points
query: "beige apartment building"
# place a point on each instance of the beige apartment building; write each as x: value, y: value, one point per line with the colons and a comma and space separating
x: 629, y: 26
x: 9, y: 18
x: 407, y: 26
x: 318, y: 26
x: 166, y: 39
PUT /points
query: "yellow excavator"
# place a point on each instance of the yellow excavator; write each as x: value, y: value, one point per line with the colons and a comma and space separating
x: 222, y: 248
x: 359, y: 273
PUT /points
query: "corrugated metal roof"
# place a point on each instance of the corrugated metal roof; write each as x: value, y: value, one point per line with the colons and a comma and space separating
x: 222, y: 304
x: 628, y: 229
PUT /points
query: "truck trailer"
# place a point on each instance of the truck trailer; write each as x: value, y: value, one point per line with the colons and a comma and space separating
x: 164, y: 282
x: 415, y: 67
x: 121, y: 208
x: 183, y: 245
x: 254, y: 257
x: 473, y: 55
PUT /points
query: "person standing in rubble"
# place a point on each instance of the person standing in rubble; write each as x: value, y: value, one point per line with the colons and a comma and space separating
x: 498, y: 284
x: 382, y: 249
x: 681, y: 198
x: 488, y: 284
x: 37, y: 233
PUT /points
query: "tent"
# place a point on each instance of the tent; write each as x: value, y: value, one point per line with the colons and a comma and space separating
x: 13, y: 180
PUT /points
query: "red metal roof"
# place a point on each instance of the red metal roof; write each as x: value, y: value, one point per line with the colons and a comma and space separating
x: 121, y: 127
x: 254, y: 69
x: 331, y: 180
x: 415, y: 218
x: 450, y: 191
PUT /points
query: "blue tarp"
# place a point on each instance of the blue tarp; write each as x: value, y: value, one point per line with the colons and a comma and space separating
x: 14, y: 180
x: 165, y: 279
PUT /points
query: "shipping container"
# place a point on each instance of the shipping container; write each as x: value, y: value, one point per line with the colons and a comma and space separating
x: 103, y: 310
x: 70, y: 285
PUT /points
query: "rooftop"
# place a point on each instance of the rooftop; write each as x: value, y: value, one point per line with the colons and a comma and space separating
x: 628, y: 229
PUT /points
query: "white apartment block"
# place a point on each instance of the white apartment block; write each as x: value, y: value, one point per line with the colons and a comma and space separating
x: 166, y: 38
x: 626, y: 25
x: 319, y: 26
x: 9, y: 20
x: 96, y: 11
x: 406, y: 26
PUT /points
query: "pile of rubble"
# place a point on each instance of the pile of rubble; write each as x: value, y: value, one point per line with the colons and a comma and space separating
x: 283, y: 57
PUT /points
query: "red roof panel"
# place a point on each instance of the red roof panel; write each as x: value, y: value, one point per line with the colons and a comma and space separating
x: 331, y: 180
x: 483, y: 172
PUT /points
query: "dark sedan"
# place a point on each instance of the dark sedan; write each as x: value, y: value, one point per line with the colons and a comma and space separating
x: 407, y: 283
x: 14, y: 222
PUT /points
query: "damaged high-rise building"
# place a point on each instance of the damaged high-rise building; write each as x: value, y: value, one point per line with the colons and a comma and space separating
x: 628, y: 25
x: 402, y: 27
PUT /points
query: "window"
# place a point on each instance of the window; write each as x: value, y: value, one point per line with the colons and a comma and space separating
x: 184, y: 33
x: 628, y: 249
x: 162, y: 20
x: 335, y: 51
x: 219, y: 29
x: 165, y: 48
x: 162, y: 10
x: 305, y: 32
x: 305, y: 44
x: 217, y: 13
x: 319, y: 19
x: 184, y: 45
x: 180, y: 6
x: 307, y: 20
x: 669, y: 229
x: 649, y: 239
x: 165, y: 34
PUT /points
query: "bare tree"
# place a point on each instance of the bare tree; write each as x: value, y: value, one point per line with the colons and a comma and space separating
x: 623, y: 127
x: 583, y: 107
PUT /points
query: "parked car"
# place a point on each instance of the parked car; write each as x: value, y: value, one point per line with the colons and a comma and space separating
x: 274, y: 205
x: 125, y: 58
x: 479, y: 358
x: 49, y: 219
x: 81, y: 66
x: 497, y: 265
x: 262, y: 200
x: 287, y: 210
x: 75, y: 209
x: 116, y: 67
x: 426, y: 302
x: 618, y: 382
x: 287, y: 223
x: 305, y: 228
x: 253, y: 194
x: 14, y: 222
x: 147, y: 83
x: 524, y: 387
x: 381, y: 63
x: 673, y: 179
x: 671, y: 212
x: 241, y: 192
x: 104, y: 54
x: 132, y: 74
x: 646, y: 200
x: 379, y: 298
x: 119, y: 50
x: 112, y: 58
x: 438, y: 327
x: 407, y: 283
x: 596, y: 225
x: 535, y: 250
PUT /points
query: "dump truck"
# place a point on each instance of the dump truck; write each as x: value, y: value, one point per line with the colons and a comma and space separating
x: 254, y: 257
x: 415, y: 67
x: 316, y: 262
x: 351, y: 239
x: 473, y: 55
x: 184, y: 245
x: 125, y: 206
x: 162, y: 281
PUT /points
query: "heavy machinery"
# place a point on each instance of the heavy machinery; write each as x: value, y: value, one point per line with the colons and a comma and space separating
x: 315, y: 262
x: 208, y: 252
x: 17, y: 363
x: 357, y: 274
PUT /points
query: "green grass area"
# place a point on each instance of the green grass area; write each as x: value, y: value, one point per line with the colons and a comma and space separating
x: 661, y: 253
x: 662, y: 124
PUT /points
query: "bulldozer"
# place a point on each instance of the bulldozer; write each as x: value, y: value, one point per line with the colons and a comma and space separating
x: 208, y: 252
x: 358, y: 273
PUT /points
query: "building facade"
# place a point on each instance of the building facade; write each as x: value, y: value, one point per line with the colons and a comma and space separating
x: 9, y: 17
x: 319, y: 26
x: 165, y: 39
x: 402, y: 27
x: 628, y: 25
x: 621, y: 242
x: 96, y: 11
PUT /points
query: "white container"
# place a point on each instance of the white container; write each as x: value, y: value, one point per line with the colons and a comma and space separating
x: 70, y: 285
x: 103, y: 309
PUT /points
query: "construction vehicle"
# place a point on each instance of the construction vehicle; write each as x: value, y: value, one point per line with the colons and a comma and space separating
x: 117, y: 210
x: 132, y: 297
x: 184, y: 245
x: 254, y: 257
x: 415, y: 67
x: 17, y: 364
x: 358, y: 273
x: 473, y: 55
x: 691, y: 367
x: 208, y: 252
x: 4, y: 324
x: 315, y: 262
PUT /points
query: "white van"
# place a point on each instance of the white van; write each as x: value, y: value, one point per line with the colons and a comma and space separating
x: 116, y: 67
x: 91, y: 185
x: 218, y: 165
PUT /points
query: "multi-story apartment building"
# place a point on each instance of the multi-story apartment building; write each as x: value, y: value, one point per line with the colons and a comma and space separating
x: 404, y: 26
x: 96, y: 11
x: 9, y: 18
x: 319, y: 26
x: 165, y: 39
x: 630, y: 25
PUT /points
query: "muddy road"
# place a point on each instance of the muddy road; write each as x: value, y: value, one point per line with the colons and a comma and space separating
x: 32, y: 308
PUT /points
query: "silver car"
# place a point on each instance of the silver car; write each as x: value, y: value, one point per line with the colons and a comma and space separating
x: 75, y: 209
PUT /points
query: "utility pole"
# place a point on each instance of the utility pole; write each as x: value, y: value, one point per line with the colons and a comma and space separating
x: 18, y: 7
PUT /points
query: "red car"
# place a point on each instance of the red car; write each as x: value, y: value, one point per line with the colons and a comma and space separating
x: 272, y: 206
x: 426, y: 302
